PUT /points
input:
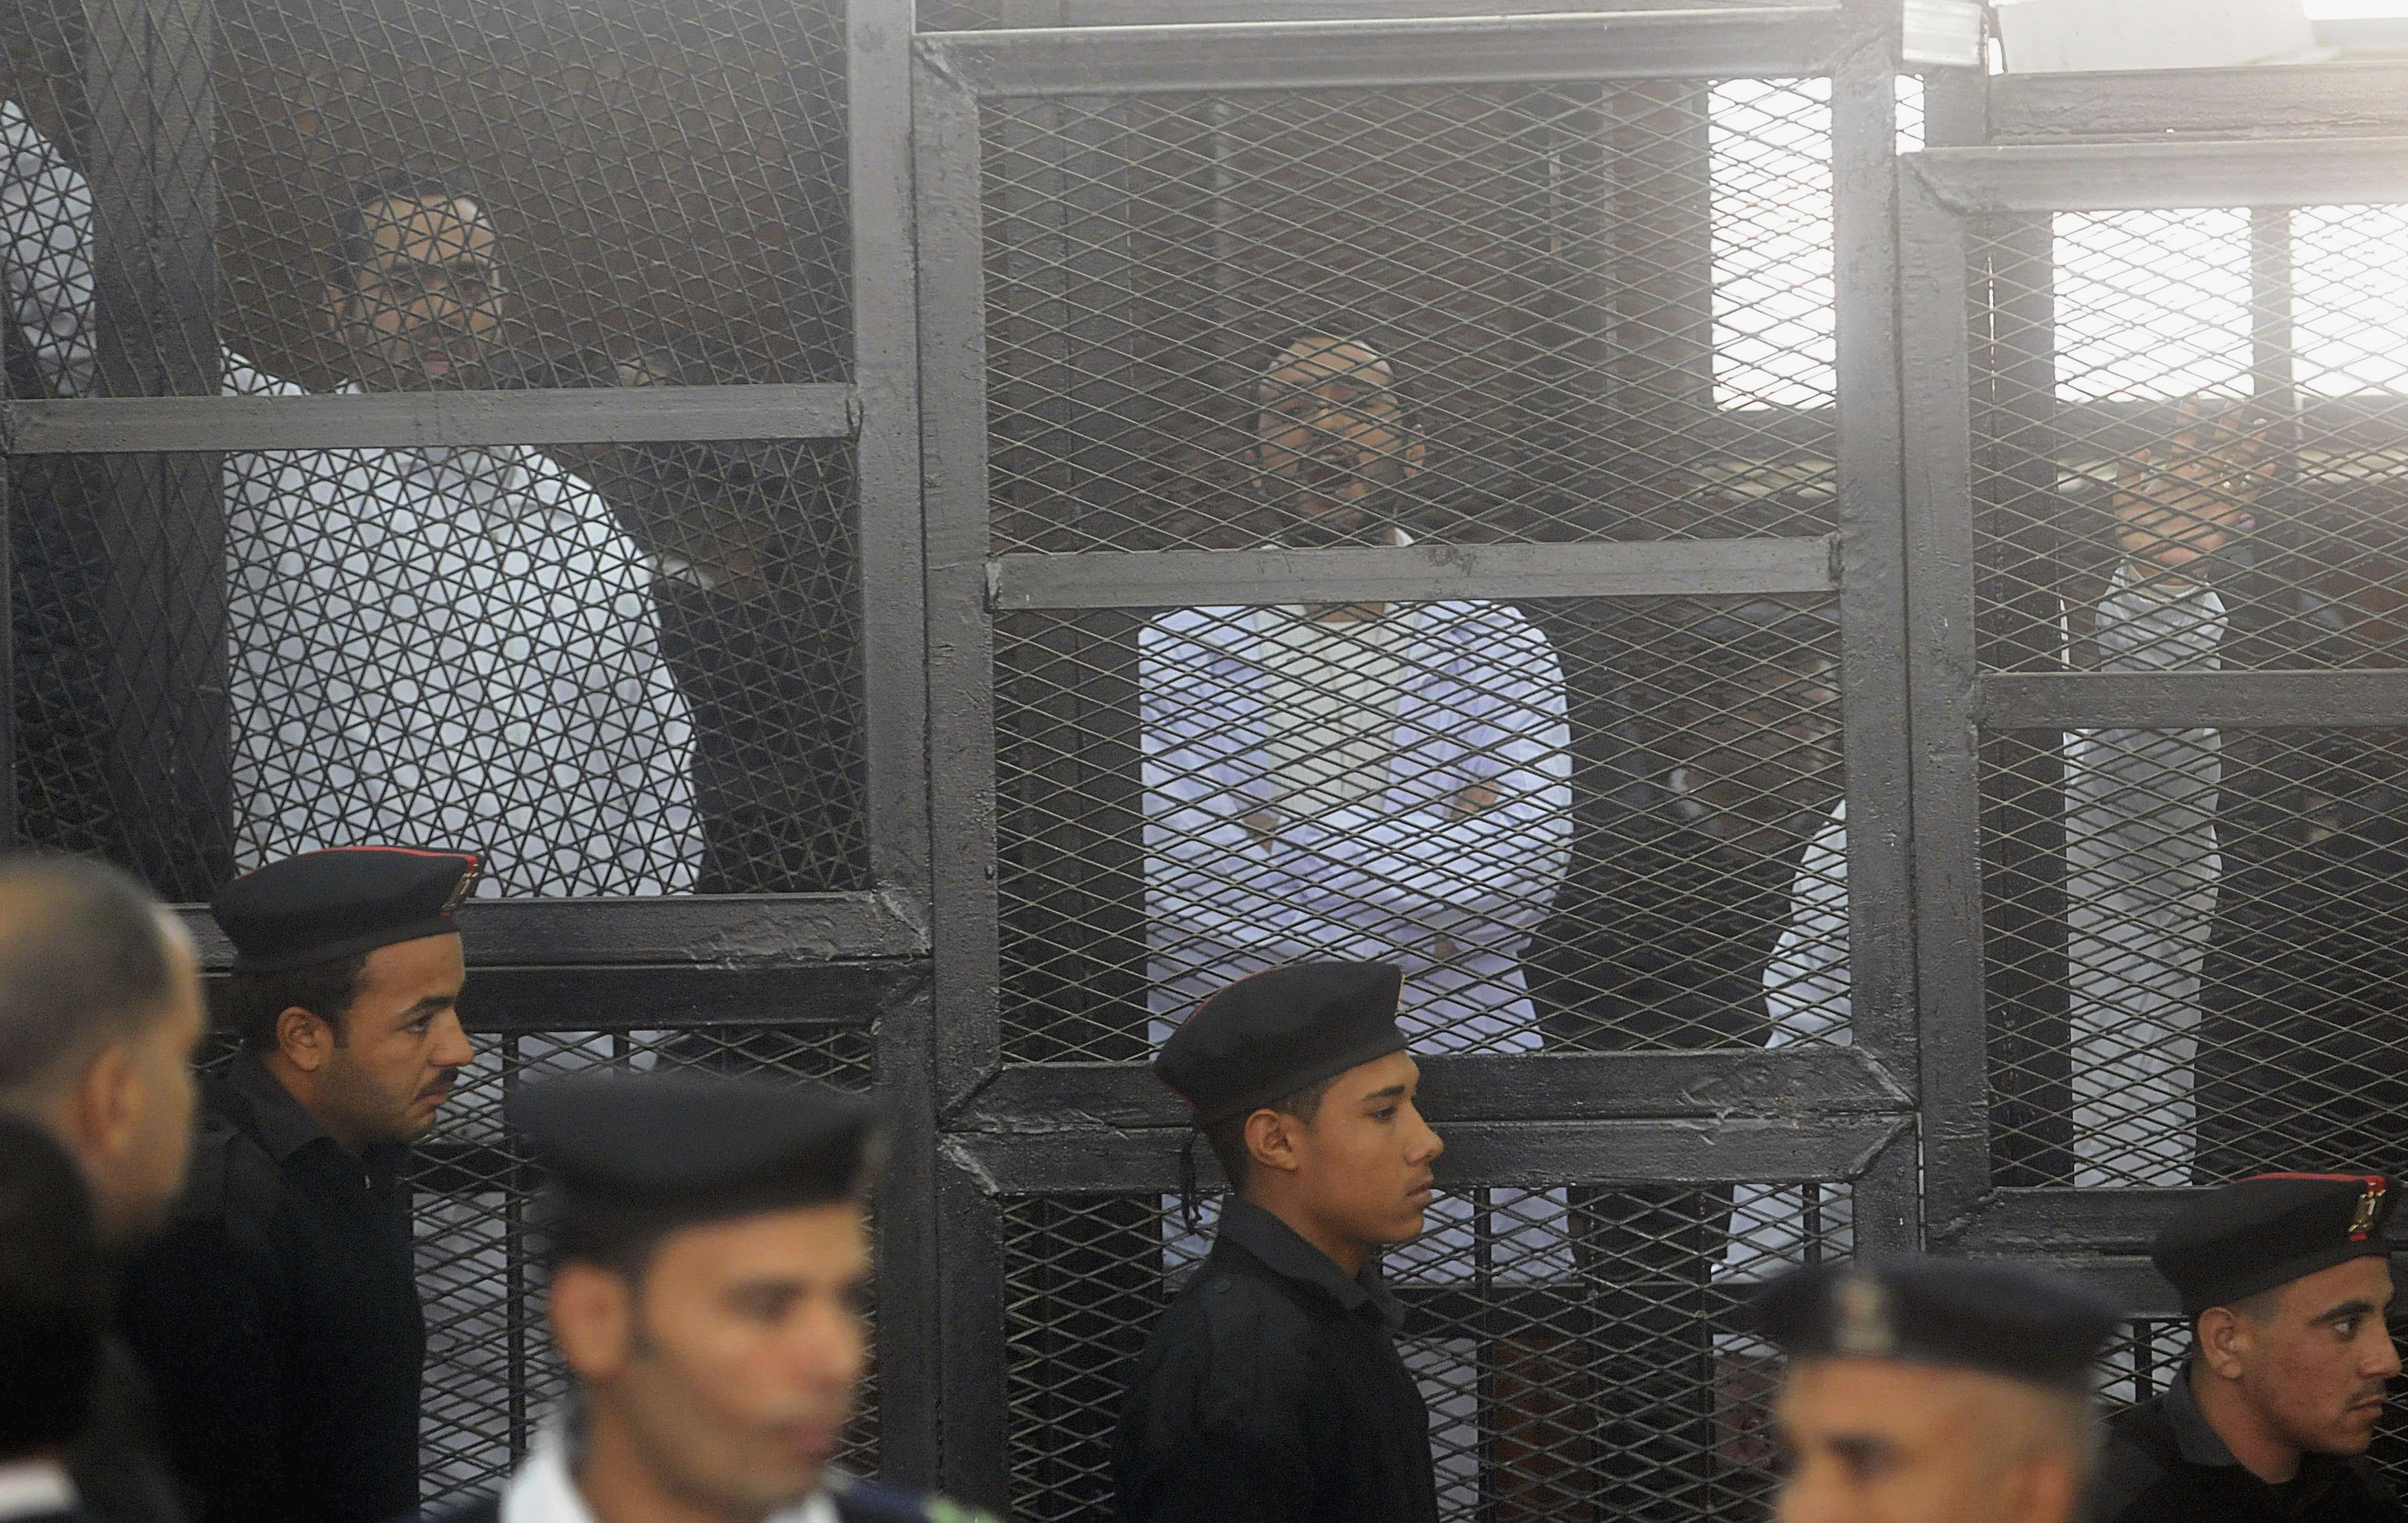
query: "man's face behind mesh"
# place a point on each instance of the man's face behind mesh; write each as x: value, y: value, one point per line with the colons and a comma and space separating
x: 1330, y: 437
x: 424, y: 312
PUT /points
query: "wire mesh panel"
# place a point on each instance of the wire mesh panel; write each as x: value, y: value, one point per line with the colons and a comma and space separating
x: 626, y: 669
x: 2187, y: 460
x: 1576, y: 824
x: 1575, y: 1345
x: 1606, y: 310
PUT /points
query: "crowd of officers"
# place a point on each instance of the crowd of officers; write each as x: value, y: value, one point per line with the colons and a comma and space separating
x: 208, y: 1314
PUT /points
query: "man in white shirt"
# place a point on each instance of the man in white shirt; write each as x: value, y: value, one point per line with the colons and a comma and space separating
x: 425, y: 645
x: 1384, y: 782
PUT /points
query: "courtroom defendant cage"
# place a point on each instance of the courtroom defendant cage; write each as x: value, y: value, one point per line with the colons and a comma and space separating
x: 1854, y: 678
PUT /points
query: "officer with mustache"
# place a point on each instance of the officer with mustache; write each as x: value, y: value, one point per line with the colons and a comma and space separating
x: 2286, y: 1279
x: 278, y: 1314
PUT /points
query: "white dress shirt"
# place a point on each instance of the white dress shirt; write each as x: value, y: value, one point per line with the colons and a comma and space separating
x: 427, y: 647
x: 35, y: 1488
x: 544, y: 1491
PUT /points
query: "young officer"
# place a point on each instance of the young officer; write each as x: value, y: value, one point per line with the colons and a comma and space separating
x: 2285, y: 1280
x: 1272, y: 1389
x: 710, y: 1250
x: 1934, y: 1390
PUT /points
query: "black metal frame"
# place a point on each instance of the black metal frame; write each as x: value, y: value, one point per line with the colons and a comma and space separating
x: 1711, y: 1116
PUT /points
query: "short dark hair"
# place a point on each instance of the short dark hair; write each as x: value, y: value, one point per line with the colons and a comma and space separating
x: 1227, y: 1138
x: 354, y: 246
x: 250, y: 1003
x: 83, y: 962
x: 53, y: 1297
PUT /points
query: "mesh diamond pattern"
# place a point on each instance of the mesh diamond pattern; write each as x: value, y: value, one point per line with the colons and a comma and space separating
x: 1577, y: 825
x: 1572, y: 1344
x: 1609, y: 307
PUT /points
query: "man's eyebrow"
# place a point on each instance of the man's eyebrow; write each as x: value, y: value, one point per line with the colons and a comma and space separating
x: 432, y: 1003
x: 1394, y: 1091
x: 2359, y: 1306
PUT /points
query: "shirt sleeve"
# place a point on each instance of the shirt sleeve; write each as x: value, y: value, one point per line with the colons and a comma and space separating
x: 46, y: 252
x: 1497, y: 719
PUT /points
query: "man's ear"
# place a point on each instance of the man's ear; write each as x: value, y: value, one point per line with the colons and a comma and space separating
x: 2224, y: 1340
x: 98, y: 1113
x: 304, y: 1038
x: 1271, y: 1142
x: 593, y: 1318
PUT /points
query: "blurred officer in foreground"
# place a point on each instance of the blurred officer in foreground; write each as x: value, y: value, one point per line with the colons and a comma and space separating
x: 100, y: 1010
x: 1934, y: 1390
x: 710, y: 1250
x: 53, y: 1309
x: 1272, y: 1389
x: 2285, y: 1280
x: 278, y: 1314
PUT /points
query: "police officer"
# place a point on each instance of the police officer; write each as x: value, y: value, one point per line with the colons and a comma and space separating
x: 1934, y: 1390
x: 710, y: 1250
x: 1272, y: 1389
x: 2285, y: 1280
x: 279, y: 1314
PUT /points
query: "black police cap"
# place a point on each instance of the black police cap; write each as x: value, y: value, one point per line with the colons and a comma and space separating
x: 326, y: 904
x: 2268, y: 1229
x: 2000, y: 1318
x: 635, y: 1155
x: 1264, y: 1037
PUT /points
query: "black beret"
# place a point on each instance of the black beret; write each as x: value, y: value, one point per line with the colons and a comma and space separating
x: 2001, y: 1319
x: 326, y: 904
x: 2268, y: 1229
x: 645, y: 1153
x: 1264, y: 1038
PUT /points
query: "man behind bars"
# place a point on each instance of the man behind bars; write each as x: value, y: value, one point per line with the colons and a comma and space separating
x: 709, y: 1249
x: 1934, y: 1390
x: 279, y: 1314
x: 2285, y: 1280
x: 427, y: 644
x: 1272, y: 1391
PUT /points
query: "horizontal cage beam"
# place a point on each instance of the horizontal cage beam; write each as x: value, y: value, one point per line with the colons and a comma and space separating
x: 2116, y: 176
x: 1780, y: 41
x: 2152, y: 103
x: 1570, y: 1086
x: 400, y: 421
x: 1105, y: 1160
x: 1670, y: 568
x: 2185, y: 700
x: 683, y: 997
x: 767, y: 931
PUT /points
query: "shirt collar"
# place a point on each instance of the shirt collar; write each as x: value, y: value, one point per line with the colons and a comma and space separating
x: 544, y: 1491
x: 284, y: 1126
x: 35, y: 1488
x: 1286, y: 1254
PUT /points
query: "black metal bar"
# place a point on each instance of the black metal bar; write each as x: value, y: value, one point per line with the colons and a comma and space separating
x: 2243, y: 103
x: 895, y: 633
x: 1873, y: 544
x: 401, y: 420
x: 2110, y: 177
x: 682, y: 996
x: 151, y: 167
x: 1107, y: 1160
x: 1553, y: 1087
x: 886, y: 377
x: 1775, y: 41
x: 975, y: 1409
x: 1952, y: 1044
x: 1632, y: 568
x: 733, y: 930
x: 2181, y: 700
x: 1152, y: 12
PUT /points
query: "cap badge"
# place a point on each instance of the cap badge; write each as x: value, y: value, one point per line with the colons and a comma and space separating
x: 2370, y: 1204
x: 1863, y: 1327
x: 460, y: 890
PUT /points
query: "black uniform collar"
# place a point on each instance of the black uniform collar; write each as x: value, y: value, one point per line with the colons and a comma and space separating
x: 1286, y: 1254
x: 283, y: 1126
x: 2200, y: 1445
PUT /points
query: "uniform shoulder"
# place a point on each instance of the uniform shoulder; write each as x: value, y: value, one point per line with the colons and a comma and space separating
x: 1233, y: 1351
x: 2133, y: 1478
x: 230, y: 1177
x: 874, y: 1501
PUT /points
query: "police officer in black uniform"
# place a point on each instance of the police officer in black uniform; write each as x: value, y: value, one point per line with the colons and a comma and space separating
x: 2284, y: 1278
x: 1272, y: 1389
x: 1934, y: 1390
x: 710, y: 1247
x: 279, y: 1314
